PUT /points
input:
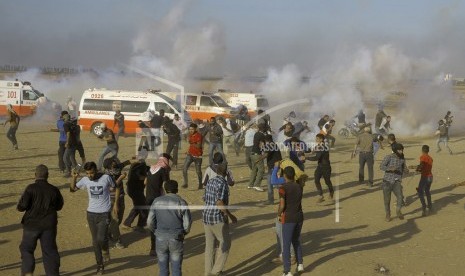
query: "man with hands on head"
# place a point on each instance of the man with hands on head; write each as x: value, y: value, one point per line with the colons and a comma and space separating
x: 98, y: 187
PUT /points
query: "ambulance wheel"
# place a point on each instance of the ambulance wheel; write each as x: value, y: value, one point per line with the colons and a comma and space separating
x: 96, y: 129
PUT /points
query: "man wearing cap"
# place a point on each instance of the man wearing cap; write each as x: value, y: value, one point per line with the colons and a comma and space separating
x: 394, y: 167
x: 112, y: 145
x: 170, y: 220
x: 364, y: 144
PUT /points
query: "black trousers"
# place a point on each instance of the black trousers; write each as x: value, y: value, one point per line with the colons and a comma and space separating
x: 98, y: 226
x: 173, y: 146
x: 28, y: 245
x: 113, y: 230
x: 139, y: 203
x: 61, y: 152
x: 325, y: 172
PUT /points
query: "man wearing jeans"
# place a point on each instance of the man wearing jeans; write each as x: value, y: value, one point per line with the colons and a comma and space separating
x: 291, y: 216
x: 112, y: 145
x: 365, y: 146
x: 425, y: 167
x: 394, y: 167
x: 258, y: 168
x: 41, y: 201
x: 170, y: 220
x: 98, y: 186
x: 216, y: 222
x: 194, y: 154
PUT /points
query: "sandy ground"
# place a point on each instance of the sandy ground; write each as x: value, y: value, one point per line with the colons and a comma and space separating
x: 358, y: 244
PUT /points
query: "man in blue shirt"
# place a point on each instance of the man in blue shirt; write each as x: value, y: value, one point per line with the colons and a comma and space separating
x: 61, y: 141
x: 98, y: 186
x: 170, y: 220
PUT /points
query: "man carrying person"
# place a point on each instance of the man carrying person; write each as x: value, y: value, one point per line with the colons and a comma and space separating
x: 216, y: 218
x: 364, y: 144
x: 228, y: 136
x: 181, y: 125
x: 385, y: 127
x: 394, y: 167
x: 193, y: 155
x: 40, y: 201
x: 327, y: 130
x: 98, y: 186
x: 323, y: 121
x: 170, y: 226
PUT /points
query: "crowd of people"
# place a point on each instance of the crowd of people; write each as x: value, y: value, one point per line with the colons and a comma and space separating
x: 154, y: 194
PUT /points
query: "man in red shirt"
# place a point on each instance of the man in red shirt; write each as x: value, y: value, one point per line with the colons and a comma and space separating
x: 194, y: 154
x: 426, y: 164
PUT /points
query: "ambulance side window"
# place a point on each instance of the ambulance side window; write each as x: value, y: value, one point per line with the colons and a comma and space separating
x: 163, y: 106
x: 133, y: 106
x: 206, y: 101
x: 191, y: 100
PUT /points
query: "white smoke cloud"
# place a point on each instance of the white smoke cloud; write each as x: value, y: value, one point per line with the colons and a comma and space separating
x: 363, y: 80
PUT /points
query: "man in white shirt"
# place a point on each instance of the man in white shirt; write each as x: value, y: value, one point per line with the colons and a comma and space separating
x: 182, y: 128
x: 228, y: 135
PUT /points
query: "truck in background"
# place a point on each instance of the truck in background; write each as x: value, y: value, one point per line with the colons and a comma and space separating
x: 252, y: 101
x: 99, y: 105
x: 202, y: 106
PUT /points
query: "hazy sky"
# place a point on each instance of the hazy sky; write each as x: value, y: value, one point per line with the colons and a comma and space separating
x: 218, y: 37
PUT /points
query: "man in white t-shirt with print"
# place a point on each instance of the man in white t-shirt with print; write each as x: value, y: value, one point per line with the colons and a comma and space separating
x: 98, y: 187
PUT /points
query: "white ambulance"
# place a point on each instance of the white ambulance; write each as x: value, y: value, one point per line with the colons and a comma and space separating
x: 253, y: 102
x: 21, y: 95
x: 99, y: 105
x: 203, y: 106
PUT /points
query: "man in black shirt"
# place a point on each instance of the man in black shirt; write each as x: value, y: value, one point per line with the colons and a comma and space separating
x: 272, y: 155
x: 41, y: 201
x: 323, y: 121
x: 256, y: 157
x: 69, y: 157
x: 174, y: 137
x: 323, y: 168
x: 157, y: 120
x: 135, y: 189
